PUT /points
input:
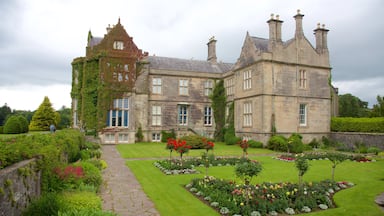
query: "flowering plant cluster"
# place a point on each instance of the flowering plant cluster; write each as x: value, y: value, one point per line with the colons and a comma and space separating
x: 324, y: 156
x: 244, y: 145
x: 179, y: 146
x: 68, y: 172
x: 208, y: 145
x: 286, y: 157
x: 266, y: 198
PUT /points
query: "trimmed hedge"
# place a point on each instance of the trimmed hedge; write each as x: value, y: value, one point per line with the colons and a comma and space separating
x: 348, y: 124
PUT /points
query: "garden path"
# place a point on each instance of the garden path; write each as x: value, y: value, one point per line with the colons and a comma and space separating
x: 121, y: 192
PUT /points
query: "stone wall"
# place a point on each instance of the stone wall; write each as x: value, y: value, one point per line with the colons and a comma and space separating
x: 369, y: 139
x: 19, y: 184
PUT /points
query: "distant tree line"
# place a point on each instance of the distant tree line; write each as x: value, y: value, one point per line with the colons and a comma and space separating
x: 21, y: 121
x: 352, y: 106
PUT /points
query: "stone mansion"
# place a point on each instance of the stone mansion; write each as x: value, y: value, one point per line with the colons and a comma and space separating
x: 276, y: 86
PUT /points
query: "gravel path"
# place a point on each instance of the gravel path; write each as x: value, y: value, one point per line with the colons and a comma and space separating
x: 121, y: 192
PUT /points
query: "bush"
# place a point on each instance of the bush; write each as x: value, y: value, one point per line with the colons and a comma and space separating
x: 23, y: 124
x: 195, y: 141
x: 314, y: 143
x: 373, y: 150
x: 348, y: 124
x: 166, y: 135
x: 232, y: 140
x: 1, y: 129
x: 278, y: 143
x: 85, y: 212
x: 295, y: 143
x: 47, y: 204
x: 13, y: 125
x: 76, y: 200
x: 255, y: 144
x: 92, y: 174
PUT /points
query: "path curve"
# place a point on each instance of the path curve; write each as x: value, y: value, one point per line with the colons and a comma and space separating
x: 121, y: 192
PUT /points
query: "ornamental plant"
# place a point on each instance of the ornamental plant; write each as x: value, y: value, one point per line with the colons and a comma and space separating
x: 244, y: 145
x: 179, y: 146
x: 336, y: 158
x: 208, y: 145
x: 247, y: 170
x: 302, y: 166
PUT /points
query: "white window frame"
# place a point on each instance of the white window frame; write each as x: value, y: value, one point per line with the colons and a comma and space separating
x: 208, y: 87
x: 303, y: 114
x: 156, y: 137
x: 156, y: 115
x: 118, y: 45
x: 183, y: 87
x: 208, y: 116
x: 123, y: 137
x: 229, y: 87
x: 156, y: 85
x: 182, y: 115
x: 119, y: 105
x: 247, y: 80
x: 247, y: 114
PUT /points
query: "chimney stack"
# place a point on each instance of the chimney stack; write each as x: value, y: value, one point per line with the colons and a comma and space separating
x: 321, y: 38
x: 274, y: 30
x: 299, y: 25
x: 212, y: 50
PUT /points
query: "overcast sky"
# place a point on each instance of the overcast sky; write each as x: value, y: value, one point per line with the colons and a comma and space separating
x: 40, y: 38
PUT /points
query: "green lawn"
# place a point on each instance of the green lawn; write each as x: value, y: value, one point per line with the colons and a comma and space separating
x: 170, y: 197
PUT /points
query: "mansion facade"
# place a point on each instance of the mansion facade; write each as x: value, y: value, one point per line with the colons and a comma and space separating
x: 276, y: 87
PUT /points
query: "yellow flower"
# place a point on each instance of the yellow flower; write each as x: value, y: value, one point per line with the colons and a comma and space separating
x: 288, y: 193
x: 241, y: 204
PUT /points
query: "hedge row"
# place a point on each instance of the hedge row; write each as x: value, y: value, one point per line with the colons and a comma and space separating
x: 367, y: 125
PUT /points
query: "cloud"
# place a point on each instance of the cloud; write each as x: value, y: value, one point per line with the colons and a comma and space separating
x: 39, y: 39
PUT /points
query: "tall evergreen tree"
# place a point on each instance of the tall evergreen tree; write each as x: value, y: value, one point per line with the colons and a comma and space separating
x: 218, y: 105
x: 44, y: 116
x: 4, y: 112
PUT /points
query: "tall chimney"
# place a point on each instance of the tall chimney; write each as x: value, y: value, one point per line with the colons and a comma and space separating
x: 321, y: 38
x: 212, y: 50
x: 299, y: 25
x: 274, y: 30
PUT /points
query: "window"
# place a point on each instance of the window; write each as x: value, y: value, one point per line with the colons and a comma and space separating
x: 303, y: 115
x: 183, y: 87
x: 247, y: 114
x: 207, y: 115
x: 156, y: 85
x: 119, y: 45
x: 208, y: 86
x: 156, y: 115
x: 303, y: 79
x: 182, y: 115
x: 109, y: 137
x: 229, y: 86
x: 123, y: 137
x: 119, y: 115
x: 156, y: 137
x: 247, y: 81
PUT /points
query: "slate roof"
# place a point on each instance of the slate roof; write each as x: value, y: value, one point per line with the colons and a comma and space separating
x: 260, y: 43
x: 176, y: 64
x: 94, y: 41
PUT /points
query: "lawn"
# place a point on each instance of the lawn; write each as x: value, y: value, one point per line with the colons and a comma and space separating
x: 171, y: 198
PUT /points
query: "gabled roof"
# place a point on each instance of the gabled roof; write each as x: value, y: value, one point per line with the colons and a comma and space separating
x: 260, y: 43
x: 177, y: 64
x: 95, y: 41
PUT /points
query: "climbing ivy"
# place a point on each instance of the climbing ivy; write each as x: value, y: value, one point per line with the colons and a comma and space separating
x: 218, y: 105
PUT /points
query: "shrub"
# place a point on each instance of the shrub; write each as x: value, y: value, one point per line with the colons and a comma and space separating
x: 348, y: 124
x: 79, y: 200
x: 278, y: 143
x: 85, y: 212
x: 23, y: 124
x: 255, y: 144
x: 166, y: 135
x: 47, y: 204
x: 195, y: 141
x: 1, y: 129
x: 295, y: 144
x: 92, y: 174
x: 139, y: 134
x: 13, y: 125
x: 247, y: 170
x: 373, y: 150
x: 314, y: 143
x: 230, y: 139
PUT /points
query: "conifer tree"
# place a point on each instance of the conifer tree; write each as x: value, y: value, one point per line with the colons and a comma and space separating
x: 44, y: 116
x: 218, y: 105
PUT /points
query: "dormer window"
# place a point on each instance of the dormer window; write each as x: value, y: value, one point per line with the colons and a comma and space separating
x: 119, y: 45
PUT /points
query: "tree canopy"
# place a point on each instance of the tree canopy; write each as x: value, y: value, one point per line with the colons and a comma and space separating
x: 44, y: 116
x: 352, y: 106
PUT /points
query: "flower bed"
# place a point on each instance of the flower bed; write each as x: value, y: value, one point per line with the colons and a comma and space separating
x: 229, y: 198
x: 322, y: 156
x: 187, y: 166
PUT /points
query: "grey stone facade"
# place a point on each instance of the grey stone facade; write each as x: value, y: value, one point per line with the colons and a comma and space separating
x: 276, y: 86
